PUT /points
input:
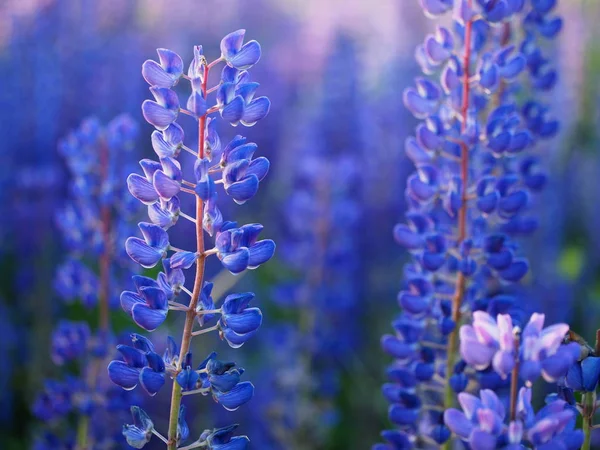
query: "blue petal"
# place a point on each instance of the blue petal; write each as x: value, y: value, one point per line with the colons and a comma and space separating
x: 236, y: 303
x: 233, y: 111
x: 401, y: 415
x: 407, y: 238
x: 155, y: 75
x: 147, y: 318
x: 234, y: 339
x: 260, y: 253
x: 132, y: 356
x: 136, y: 437
x: 517, y: 270
x: 246, y: 57
x: 155, y: 297
x: 397, y: 348
x: 237, y: 261
x: 236, y: 397
x: 142, y: 253
x: 165, y: 186
x: 154, y: 235
x: 245, y: 322
x: 590, y: 368
x: 256, y: 110
x: 129, y: 299
x: 188, y: 379
x: 151, y: 381
x: 259, y: 167
x: 225, y: 382
x: 574, y: 378
x: 141, y: 189
x: 419, y: 106
x: 232, y: 43
x: 158, y: 115
x: 244, y: 190
x: 236, y: 443
x: 123, y: 375
x: 197, y: 104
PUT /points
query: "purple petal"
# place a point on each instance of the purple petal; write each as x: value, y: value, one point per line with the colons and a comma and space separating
x: 129, y: 299
x: 243, y: 190
x: 157, y: 115
x: 246, y: 57
x: 259, y: 167
x: 232, y: 43
x: 233, y: 111
x: 183, y: 260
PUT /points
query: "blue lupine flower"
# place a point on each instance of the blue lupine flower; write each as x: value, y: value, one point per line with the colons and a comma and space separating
x: 466, y: 203
x: 237, y: 248
x: 70, y: 341
x: 236, y: 53
x: 149, y: 251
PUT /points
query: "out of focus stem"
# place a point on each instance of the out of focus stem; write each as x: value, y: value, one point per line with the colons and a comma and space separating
x: 589, y: 407
x: 461, y: 281
x: 514, y: 381
x: 190, y: 315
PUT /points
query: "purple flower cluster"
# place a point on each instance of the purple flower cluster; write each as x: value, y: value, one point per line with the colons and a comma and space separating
x: 469, y: 197
x: 481, y: 423
x: 238, y: 248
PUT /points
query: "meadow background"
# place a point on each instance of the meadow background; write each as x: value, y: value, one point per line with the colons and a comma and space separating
x: 334, y: 71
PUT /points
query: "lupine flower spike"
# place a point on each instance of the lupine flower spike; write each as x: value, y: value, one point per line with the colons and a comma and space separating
x: 469, y: 198
x: 237, y: 247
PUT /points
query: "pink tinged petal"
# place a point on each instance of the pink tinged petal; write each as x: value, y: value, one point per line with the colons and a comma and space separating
x: 123, y: 375
x: 487, y: 420
x: 535, y: 325
x: 255, y: 111
x: 490, y: 400
x: 246, y: 57
x: 505, y: 328
x: 129, y: 299
x: 141, y: 189
x: 142, y: 253
x: 469, y: 404
x: 485, y: 328
x: 147, y: 318
x: 232, y: 43
x: 503, y: 363
x: 551, y: 337
x: 157, y: 115
x: 515, y: 432
x: 166, y: 187
x: 458, y: 423
x: 542, y: 431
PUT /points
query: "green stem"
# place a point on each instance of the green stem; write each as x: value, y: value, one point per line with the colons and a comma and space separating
x: 82, y: 432
x: 589, y: 406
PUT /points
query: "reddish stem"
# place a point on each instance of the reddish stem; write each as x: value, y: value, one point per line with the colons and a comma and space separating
x: 190, y: 315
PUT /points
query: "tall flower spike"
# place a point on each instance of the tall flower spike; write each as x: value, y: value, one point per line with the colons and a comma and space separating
x: 238, y: 248
x: 467, y: 200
